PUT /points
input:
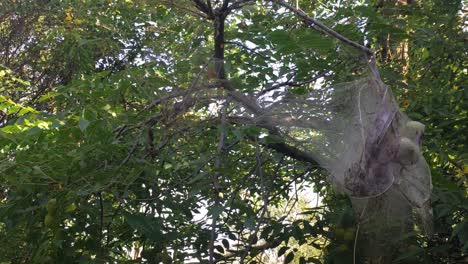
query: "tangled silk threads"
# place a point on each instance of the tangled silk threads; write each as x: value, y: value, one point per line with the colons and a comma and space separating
x: 369, y: 147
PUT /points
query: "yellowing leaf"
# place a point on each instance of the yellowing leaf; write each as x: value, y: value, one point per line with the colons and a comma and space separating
x: 405, y: 103
x: 68, y: 15
x: 70, y: 208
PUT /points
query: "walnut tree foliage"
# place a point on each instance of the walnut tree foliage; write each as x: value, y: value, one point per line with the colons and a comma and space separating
x: 121, y: 141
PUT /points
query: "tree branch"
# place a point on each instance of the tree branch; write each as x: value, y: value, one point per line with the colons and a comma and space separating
x: 281, y: 147
x: 258, y: 247
x: 219, y: 20
x: 202, y: 6
x: 225, y: 5
x: 216, y: 185
x: 239, y: 3
x: 177, y: 94
x: 293, y: 84
x: 316, y: 24
x: 193, y: 12
x: 210, y: 8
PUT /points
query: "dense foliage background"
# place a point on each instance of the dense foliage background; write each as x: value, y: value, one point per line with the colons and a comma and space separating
x: 117, y: 144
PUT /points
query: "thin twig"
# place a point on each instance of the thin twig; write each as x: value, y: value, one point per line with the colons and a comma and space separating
x: 101, y: 220
x: 130, y: 153
x: 116, y: 212
x: 239, y: 4
x: 193, y: 12
x: 357, y: 233
x: 197, y: 78
x: 242, y: 45
x: 293, y: 84
x: 301, y: 175
x: 177, y: 94
x: 317, y: 24
x: 218, y: 165
x: 265, y: 202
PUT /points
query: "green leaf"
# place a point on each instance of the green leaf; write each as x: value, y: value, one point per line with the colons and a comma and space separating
x: 461, y: 230
x: 47, y: 96
x: 198, y: 177
x: 313, y: 40
x: 278, y: 37
x: 70, y: 208
x: 288, y: 48
x: 283, y: 41
x: 225, y: 243
x: 266, y: 232
x: 282, y: 250
x: 145, y: 225
x: 216, y: 211
x: 219, y: 248
x: 232, y: 236
x: 302, y: 260
x: 289, y: 258
x: 365, y: 11
x: 250, y: 223
x: 83, y: 124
